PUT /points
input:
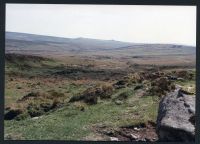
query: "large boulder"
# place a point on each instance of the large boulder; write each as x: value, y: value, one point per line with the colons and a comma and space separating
x: 176, y: 117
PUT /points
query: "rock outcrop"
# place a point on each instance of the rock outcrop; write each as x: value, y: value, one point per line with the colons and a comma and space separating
x: 176, y: 117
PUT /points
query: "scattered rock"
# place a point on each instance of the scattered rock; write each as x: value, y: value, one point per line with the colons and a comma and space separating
x: 127, y: 133
x: 176, y: 117
x: 114, y: 139
x: 134, y: 136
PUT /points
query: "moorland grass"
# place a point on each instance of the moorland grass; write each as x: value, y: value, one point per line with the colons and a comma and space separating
x: 69, y: 123
x: 73, y: 121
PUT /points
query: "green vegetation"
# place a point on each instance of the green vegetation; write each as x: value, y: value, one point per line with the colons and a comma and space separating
x: 54, y: 100
x: 34, y: 66
x: 69, y: 123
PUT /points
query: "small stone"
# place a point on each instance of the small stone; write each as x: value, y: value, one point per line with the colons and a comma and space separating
x: 34, y: 118
x: 114, y: 139
x: 153, y: 139
x: 118, y: 102
x: 134, y: 137
x: 136, y: 129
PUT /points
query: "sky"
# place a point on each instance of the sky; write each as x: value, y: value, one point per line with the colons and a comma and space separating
x: 129, y: 23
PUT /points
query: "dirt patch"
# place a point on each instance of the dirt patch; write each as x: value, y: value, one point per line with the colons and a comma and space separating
x: 141, y: 132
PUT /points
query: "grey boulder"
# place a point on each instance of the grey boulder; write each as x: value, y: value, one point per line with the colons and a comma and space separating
x: 176, y: 117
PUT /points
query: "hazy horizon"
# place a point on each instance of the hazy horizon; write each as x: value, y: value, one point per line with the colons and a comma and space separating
x: 98, y: 39
x: 135, y: 24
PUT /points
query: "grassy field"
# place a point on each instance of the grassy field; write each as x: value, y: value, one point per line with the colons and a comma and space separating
x: 76, y: 98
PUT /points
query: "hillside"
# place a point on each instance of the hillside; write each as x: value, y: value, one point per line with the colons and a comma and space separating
x: 88, y: 89
x: 29, y: 43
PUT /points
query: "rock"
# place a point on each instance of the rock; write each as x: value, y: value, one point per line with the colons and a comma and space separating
x: 34, y: 118
x: 153, y: 139
x: 176, y: 117
x: 136, y: 129
x: 114, y: 139
x: 134, y: 137
x: 118, y: 102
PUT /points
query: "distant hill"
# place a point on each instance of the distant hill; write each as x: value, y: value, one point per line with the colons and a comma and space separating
x: 68, y: 44
x: 34, y: 44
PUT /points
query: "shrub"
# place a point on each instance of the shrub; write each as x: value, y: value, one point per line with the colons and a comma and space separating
x: 91, y: 99
x: 57, y: 103
x: 123, y: 95
x: 160, y: 86
x: 34, y: 110
x: 55, y: 94
x: 77, y: 98
x: 106, y: 91
x: 22, y: 116
x: 45, y: 106
x: 30, y: 95
x: 35, y: 104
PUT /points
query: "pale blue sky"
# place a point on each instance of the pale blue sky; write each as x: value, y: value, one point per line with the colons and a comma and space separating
x: 140, y: 24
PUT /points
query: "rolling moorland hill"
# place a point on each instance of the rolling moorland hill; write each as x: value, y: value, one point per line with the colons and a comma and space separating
x: 88, y: 89
x: 34, y: 44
